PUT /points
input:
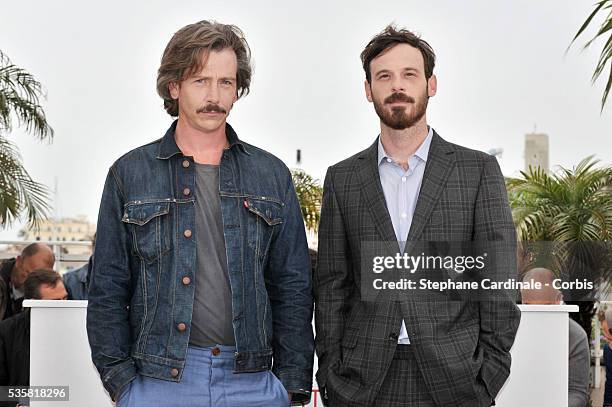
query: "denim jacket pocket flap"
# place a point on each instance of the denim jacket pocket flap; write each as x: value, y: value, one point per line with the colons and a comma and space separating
x: 141, y: 213
x: 268, y: 211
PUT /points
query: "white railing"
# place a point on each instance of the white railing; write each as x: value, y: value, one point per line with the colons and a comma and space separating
x: 62, y: 260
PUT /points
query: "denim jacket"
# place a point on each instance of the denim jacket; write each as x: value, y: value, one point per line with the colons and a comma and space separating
x: 141, y: 292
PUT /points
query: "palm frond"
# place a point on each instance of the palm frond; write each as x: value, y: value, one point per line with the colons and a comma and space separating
x: 21, y: 93
x: 19, y: 193
x: 310, y: 194
x: 605, y: 57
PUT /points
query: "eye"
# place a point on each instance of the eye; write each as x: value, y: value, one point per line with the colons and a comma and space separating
x: 227, y: 82
x: 383, y: 76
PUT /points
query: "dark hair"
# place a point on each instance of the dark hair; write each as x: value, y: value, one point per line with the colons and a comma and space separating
x: 183, y: 57
x: 36, y: 279
x: 390, y: 37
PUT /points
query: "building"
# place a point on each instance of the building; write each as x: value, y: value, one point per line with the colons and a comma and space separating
x: 536, y: 151
x: 63, y: 231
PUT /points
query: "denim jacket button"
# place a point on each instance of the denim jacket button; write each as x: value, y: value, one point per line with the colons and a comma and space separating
x: 187, y: 233
x: 174, y: 372
x: 186, y: 280
x: 185, y: 163
x: 181, y: 327
x: 186, y: 191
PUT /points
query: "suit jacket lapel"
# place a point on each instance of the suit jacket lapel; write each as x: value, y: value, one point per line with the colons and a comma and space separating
x: 440, y: 163
x: 371, y: 187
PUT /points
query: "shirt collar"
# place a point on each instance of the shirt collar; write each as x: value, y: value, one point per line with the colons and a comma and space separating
x: 169, y: 148
x: 421, y: 152
x: 17, y: 293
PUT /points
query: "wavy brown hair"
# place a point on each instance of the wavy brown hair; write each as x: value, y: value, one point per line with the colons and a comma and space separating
x: 183, y: 57
x: 390, y: 37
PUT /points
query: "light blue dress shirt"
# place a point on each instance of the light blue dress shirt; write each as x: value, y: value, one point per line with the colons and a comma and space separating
x: 401, y: 190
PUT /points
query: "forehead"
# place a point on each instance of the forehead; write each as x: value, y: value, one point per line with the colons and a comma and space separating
x: 39, y: 260
x: 217, y: 63
x: 48, y: 292
x: 399, y: 56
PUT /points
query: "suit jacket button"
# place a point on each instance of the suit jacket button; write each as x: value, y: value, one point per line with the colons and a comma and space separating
x: 393, y: 336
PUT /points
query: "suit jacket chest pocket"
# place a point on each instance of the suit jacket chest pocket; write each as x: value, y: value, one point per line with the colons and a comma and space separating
x: 150, y: 226
x: 262, y: 218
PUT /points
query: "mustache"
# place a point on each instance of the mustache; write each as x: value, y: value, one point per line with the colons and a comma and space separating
x: 399, y: 97
x: 209, y: 108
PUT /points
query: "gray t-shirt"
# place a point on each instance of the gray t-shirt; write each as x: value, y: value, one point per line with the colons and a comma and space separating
x: 212, y: 308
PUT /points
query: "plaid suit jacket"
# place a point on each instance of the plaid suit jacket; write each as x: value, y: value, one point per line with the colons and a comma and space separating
x: 462, y: 347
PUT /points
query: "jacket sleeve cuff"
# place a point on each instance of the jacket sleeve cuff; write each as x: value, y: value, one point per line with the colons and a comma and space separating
x: 493, y: 378
x: 298, y: 383
x: 118, y: 376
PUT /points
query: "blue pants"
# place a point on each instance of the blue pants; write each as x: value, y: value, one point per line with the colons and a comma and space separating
x: 208, y: 381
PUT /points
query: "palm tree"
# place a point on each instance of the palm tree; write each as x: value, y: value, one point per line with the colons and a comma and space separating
x: 566, y: 221
x: 310, y: 193
x: 605, y: 58
x: 572, y: 205
x: 20, y: 95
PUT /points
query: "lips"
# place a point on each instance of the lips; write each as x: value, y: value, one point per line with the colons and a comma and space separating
x: 399, y: 98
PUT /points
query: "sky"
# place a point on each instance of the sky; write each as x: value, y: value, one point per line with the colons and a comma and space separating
x: 502, y: 70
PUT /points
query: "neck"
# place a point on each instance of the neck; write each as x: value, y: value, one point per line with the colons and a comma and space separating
x: 204, y: 147
x: 402, y: 144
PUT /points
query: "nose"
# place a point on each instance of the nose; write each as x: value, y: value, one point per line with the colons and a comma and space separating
x: 397, y: 85
x: 213, y: 94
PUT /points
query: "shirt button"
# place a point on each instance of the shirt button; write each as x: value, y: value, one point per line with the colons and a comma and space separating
x: 389, y: 160
x: 174, y: 372
x: 404, y: 216
x: 187, y: 233
x: 403, y: 179
x: 185, y: 163
x: 216, y: 351
x: 186, y: 191
x: 186, y: 280
x: 181, y: 327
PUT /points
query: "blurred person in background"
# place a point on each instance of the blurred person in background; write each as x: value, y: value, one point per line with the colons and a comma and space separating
x: 77, y: 281
x: 579, y: 356
x: 41, y: 284
x: 13, y: 273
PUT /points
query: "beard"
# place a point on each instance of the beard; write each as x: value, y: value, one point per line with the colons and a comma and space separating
x: 397, y: 118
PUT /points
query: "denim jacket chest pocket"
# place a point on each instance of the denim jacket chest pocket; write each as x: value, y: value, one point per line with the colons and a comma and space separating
x: 150, y: 227
x: 263, y: 216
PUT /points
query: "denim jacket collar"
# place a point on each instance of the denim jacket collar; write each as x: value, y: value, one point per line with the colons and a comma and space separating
x: 168, y: 147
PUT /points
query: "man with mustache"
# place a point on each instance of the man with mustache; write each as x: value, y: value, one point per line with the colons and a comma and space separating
x: 200, y: 293
x: 409, y: 186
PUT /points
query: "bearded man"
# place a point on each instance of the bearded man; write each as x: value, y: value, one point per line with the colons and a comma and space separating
x: 409, y: 186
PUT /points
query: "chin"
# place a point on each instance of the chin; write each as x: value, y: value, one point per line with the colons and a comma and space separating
x: 210, y: 126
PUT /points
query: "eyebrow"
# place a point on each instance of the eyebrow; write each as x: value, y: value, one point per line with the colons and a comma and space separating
x: 233, y: 78
x: 388, y: 70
